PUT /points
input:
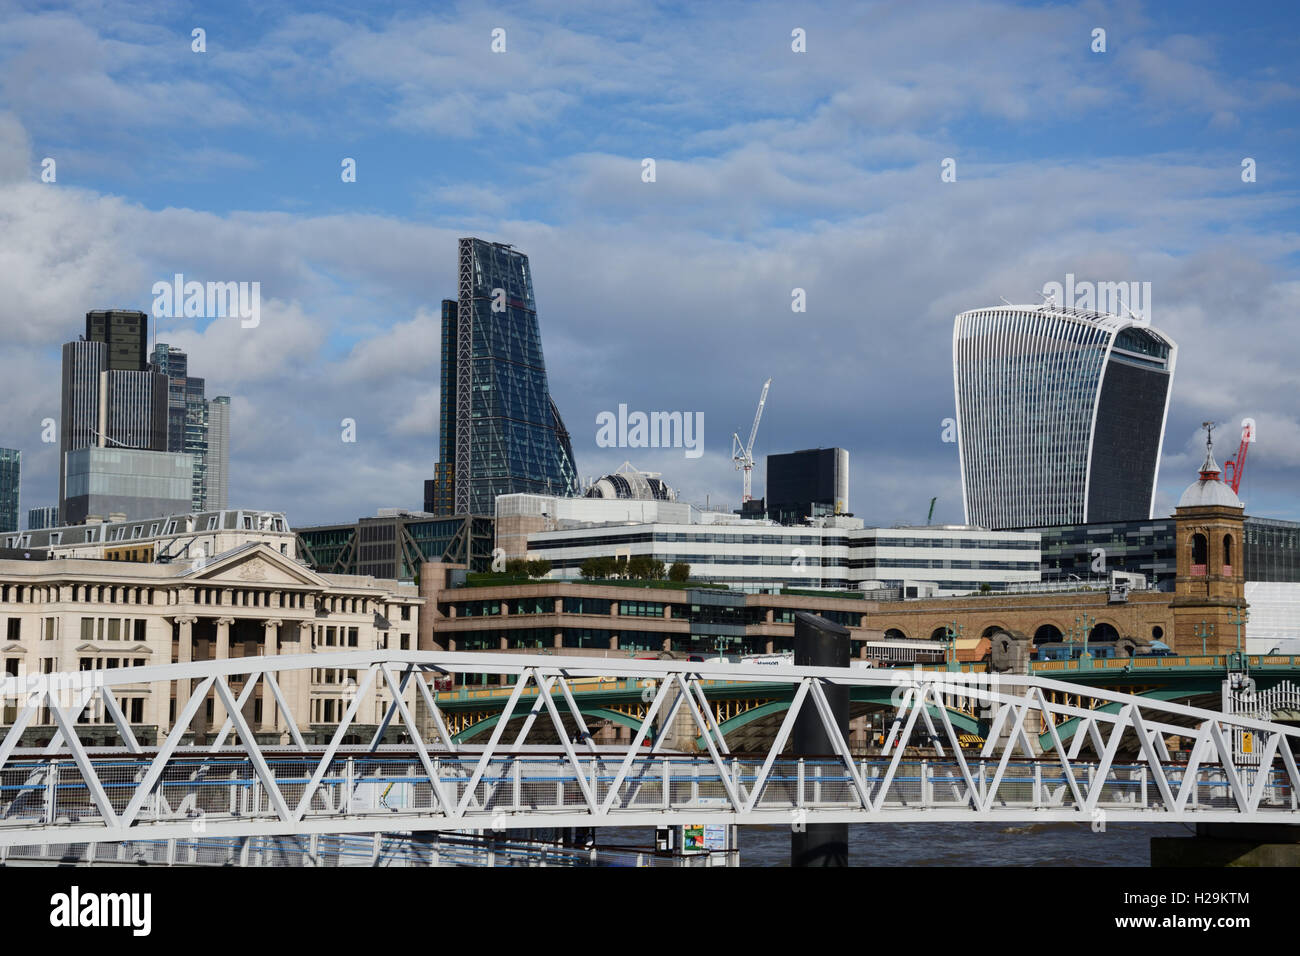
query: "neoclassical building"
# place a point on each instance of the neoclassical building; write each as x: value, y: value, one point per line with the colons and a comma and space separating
x: 74, y: 614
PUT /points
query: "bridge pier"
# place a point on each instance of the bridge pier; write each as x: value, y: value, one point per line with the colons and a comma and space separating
x: 1230, y: 844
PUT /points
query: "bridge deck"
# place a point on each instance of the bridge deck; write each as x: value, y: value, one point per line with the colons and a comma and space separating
x: 1116, y: 765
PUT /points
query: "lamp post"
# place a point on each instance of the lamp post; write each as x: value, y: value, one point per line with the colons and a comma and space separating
x: 1203, y: 633
x: 1085, y: 624
x: 954, y: 629
x: 1239, y: 617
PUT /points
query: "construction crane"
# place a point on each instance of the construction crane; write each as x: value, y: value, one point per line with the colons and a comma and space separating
x: 930, y: 516
x: 743, y: 455
x: 1235, y: 466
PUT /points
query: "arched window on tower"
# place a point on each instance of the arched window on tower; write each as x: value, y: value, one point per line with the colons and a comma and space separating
x: 1227, y: 555
x: 1200, y: 554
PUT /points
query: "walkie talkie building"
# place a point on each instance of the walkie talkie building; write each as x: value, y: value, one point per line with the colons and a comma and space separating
x: 1060, y: 415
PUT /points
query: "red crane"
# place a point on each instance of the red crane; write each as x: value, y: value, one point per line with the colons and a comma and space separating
x: 1235, y: 466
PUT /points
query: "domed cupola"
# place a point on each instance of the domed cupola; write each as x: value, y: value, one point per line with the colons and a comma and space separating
x: 1208, y: 489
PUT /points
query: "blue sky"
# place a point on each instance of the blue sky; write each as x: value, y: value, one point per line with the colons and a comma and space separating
x: 775, y: 170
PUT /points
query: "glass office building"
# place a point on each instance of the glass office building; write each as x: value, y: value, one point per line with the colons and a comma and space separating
x: 10, y: 469
x: 395, y: 545
x: 46, y: 516
x: 500, y: 430
x: 1270, y: 551
x: 195, y: 426
x: 131, y: 482
x: 1060, y: 415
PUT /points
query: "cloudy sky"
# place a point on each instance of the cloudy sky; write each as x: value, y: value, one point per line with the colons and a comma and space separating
x: 775, y: 170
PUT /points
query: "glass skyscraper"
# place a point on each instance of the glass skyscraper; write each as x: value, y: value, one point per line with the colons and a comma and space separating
x: 190, y: 428
x: 10, y: 473
x: 1060, y: 415
x: 500, y: 432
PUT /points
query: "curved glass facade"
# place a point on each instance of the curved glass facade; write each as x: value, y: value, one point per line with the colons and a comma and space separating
x: 1060, y: 415
x: 496, y: 403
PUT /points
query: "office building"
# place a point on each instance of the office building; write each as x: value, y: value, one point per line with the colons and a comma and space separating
x: 135, y: 484
x: 1060, y: 415
x: 196, y: 427
x: 125, y: 334
x: 110, y: 397
x: 10, y: 475
x: 807, y: 484
x: 216, y: 492
x: 829, y: 554
x: 395, y: 543
x: 519, y: 516
x: 47, y: 516
x: 500, y: 431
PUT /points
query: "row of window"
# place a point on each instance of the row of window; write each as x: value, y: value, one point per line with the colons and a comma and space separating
x: 826, y: 541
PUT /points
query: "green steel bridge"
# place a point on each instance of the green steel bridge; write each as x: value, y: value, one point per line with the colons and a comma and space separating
x: 749, y: 714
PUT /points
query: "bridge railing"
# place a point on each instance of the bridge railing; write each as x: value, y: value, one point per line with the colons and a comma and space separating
x: 1112, y: 757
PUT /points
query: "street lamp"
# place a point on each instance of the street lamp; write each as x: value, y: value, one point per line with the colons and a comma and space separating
x: 1240, y: 617
x: 1086, y: 624
x: 1202, y: 633
x: 953, y: 630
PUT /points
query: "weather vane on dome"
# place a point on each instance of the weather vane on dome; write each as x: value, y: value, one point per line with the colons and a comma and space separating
x: 1209, y: 433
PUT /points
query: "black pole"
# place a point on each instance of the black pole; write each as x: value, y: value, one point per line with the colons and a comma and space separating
x: 820, y: 643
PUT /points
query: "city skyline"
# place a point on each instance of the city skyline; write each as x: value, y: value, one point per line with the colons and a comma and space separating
x: 676, y: 293
x: 467, y: 564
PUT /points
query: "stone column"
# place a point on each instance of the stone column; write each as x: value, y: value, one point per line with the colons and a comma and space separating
x: 184, y: 654
x: 222, y: 653
x: 295, y: 685
x: 269, y: 647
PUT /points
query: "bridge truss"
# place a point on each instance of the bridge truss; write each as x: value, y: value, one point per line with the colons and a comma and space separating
x: 1112, y: 761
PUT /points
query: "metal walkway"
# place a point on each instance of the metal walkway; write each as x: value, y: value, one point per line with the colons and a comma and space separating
x: 1116, y: 765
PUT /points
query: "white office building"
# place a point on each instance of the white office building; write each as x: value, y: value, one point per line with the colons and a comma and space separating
x: 830, y: 553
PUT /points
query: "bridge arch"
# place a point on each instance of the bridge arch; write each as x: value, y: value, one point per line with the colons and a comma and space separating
x: 1048, y: 634
x: 597, y: 713
x: 1104, y: 631
x: 895, y: 634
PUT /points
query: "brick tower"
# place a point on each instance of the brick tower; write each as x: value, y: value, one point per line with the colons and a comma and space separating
x: 1210, y: 587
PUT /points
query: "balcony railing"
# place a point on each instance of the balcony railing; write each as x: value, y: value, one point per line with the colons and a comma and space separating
x: 1198, y: 570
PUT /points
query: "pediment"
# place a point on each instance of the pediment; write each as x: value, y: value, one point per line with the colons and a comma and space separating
x: 256, y: 566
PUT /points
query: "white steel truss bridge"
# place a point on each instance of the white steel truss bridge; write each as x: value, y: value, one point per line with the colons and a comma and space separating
x: 1110, y: 760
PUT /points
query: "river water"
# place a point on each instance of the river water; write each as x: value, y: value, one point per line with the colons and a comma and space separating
x: 973, y: 844
x: 955, y: 844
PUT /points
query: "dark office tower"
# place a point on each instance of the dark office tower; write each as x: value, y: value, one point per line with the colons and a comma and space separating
x: 1060, y: 415
x: 10, y: 469
x: 500, y: 431
x: 807, y: 484
x: 125, y: 333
